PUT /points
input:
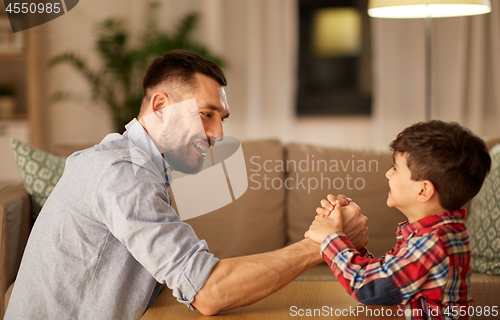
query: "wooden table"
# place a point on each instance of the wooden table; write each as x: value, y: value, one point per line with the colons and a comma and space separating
x: 297, y: 299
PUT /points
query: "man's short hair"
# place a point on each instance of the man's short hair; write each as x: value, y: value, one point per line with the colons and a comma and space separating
x: 449, y: 156
x: 177, y: 69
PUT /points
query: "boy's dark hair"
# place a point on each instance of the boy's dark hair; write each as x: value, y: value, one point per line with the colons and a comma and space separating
x: 178, y: 67
x: 449, y: 156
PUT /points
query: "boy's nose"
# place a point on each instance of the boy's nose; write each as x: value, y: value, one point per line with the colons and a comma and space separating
x: 388, y: 173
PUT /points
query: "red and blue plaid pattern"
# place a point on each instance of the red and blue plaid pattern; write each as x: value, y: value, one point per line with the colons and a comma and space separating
x: 427, y: 271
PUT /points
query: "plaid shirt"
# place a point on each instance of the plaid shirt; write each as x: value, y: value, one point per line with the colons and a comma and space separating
x: 427, y: 271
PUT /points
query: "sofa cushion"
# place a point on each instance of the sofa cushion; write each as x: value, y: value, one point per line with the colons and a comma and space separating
x: 7, y: 295
x: 253, y: 223
x: 483, y: 222
x: 485, y: 290
x: 39, y: 170
x: 313, y: 172
x: 491, y: 142
x: 15, y: 226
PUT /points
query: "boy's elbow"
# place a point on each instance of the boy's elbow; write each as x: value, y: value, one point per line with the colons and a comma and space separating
x: 381, y: 291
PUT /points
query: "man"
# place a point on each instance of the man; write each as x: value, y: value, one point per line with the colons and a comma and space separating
x: 107, y: 238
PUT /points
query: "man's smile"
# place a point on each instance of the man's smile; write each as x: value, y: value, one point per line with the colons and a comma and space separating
x: 201, y: 147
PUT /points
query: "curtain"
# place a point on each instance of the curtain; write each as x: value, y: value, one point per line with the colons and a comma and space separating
x: 465, y: 74
x: 258, y: 40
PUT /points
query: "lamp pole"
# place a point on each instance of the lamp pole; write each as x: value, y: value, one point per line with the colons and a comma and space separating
x: 428, y: 67
x: 422, y: 9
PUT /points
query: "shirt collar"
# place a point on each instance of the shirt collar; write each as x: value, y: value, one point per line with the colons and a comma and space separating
x: 138, y: 135
x: 406, y: 229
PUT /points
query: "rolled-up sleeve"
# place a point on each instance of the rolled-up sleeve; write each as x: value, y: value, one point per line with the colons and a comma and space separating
x: 133, y: 202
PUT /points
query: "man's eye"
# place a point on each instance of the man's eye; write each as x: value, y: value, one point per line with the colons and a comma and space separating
x: 208, y: 115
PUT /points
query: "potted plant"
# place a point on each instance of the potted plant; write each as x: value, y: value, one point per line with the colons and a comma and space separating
x: 7, y: 100
x: 118, y: 82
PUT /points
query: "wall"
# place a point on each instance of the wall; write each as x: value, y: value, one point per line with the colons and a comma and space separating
x: 231, y: 28
x: 258, y: 39
x: 79, y: 120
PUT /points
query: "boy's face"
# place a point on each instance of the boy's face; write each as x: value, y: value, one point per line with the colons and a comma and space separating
x: 404, y: 190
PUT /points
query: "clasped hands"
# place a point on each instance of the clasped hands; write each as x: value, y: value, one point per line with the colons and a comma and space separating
x: 339, y: 214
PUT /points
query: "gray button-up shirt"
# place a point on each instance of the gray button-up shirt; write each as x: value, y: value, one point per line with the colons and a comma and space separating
x: 106, y: 236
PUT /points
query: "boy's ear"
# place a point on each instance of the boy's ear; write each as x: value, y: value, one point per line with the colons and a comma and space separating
x: 427, y: 191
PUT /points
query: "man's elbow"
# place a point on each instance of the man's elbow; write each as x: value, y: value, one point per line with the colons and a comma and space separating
x: 207, y: 310
x: 206, y: 305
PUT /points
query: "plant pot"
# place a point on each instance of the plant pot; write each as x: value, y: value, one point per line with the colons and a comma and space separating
x: 7, y: 106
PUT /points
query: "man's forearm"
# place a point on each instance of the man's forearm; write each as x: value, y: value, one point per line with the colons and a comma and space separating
x: 244, y: 280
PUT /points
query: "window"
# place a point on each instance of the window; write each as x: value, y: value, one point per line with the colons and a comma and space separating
x: 334, y: 58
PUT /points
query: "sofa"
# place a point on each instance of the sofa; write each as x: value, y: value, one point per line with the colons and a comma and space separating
x: 285, y: 185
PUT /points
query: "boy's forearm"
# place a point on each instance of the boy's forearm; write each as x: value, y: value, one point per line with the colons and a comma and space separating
x: 244, y: 280
x: 349, y: 271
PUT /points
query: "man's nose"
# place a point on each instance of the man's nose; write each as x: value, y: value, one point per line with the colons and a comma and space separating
x: 216, y: 134
x: 214, y: 139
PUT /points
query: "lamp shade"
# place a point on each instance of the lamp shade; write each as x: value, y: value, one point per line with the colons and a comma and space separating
x: 426, y: 8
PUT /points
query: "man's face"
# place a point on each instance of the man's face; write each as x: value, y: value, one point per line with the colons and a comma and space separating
x: 191, y: 126
x: 404, y: 190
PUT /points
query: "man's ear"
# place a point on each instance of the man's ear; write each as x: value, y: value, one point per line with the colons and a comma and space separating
x: 160, y: 100
x: 427, y: 191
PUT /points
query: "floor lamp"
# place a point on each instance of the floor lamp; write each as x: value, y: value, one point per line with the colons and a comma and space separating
x: 428, y: 9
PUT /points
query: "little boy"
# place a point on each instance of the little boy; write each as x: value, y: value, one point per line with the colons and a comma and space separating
x: 438, y: 167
